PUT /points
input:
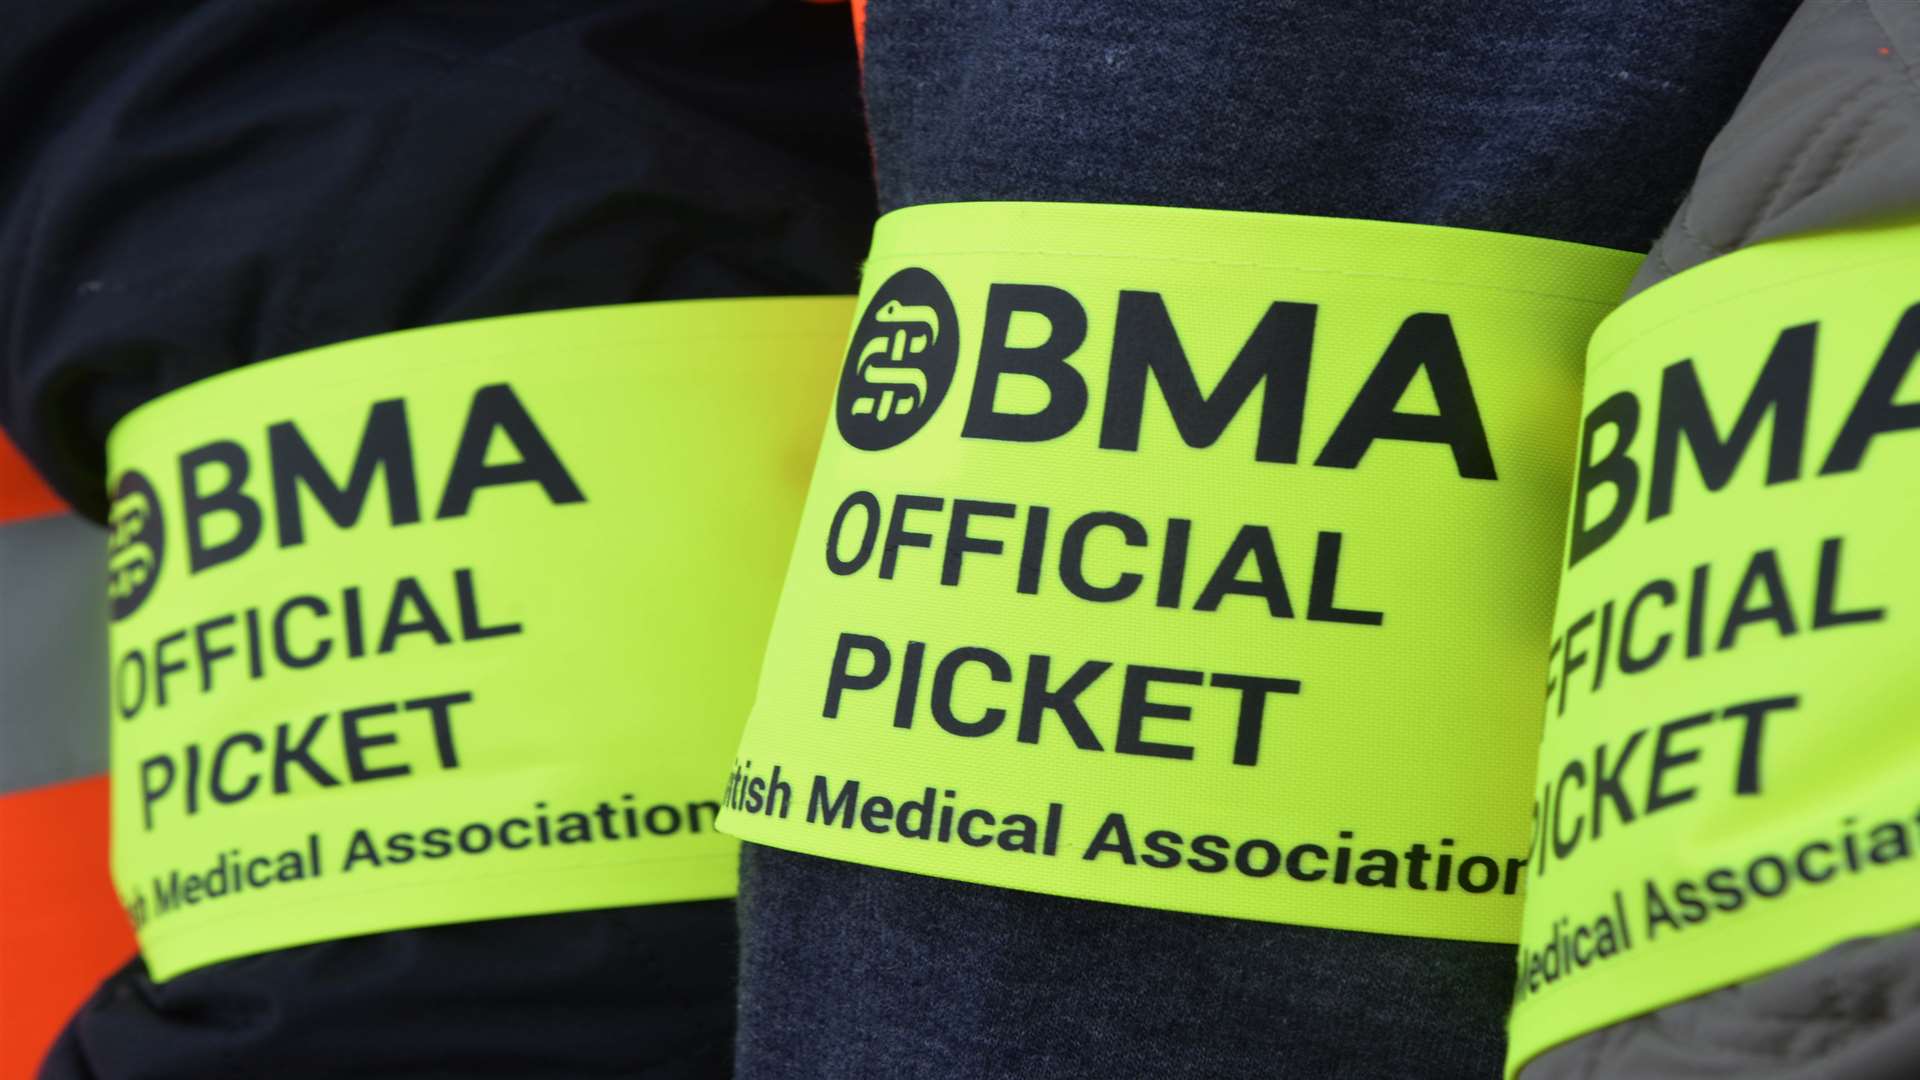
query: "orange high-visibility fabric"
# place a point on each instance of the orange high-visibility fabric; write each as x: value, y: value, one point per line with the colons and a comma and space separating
x: 22, y: 495
x: 61, y: 927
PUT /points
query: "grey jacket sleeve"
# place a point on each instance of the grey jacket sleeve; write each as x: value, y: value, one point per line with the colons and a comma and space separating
x: 1828, y: 134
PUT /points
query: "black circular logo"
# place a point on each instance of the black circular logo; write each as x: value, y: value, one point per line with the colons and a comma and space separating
x: 135, y: 542
x: 900, y: 363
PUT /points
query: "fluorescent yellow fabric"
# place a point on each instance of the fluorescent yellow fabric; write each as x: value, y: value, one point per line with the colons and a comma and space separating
x: 1730, y: 769
x: 1185, y: 559
x: 450, y: 624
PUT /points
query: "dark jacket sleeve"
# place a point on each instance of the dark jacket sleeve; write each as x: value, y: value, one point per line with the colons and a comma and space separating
x: 185, y: 189
x: 188, y: 188
x: 1565, y: 119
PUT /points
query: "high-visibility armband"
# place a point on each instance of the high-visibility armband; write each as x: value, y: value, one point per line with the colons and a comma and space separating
x: 1185, y: 559
x: 450, y: 624
x: 1729, y: 771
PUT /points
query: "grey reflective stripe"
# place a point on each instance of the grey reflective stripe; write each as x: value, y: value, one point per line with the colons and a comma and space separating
x: 53, y: 651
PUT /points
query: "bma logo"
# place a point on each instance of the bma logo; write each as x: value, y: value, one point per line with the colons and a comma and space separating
x: 135, y: 542
x: 900, y: 363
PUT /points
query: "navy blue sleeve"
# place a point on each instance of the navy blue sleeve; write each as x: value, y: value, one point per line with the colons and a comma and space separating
x: 1566, y: 119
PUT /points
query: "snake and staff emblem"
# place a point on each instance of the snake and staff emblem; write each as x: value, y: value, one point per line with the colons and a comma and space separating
x: 900, y: 362
x: 135, y: 540
x: 916, y: 326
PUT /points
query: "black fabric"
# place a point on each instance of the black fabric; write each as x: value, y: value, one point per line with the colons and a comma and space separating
x: 1561, y: 118
x: 629, y: 992
x: 188, y: 188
